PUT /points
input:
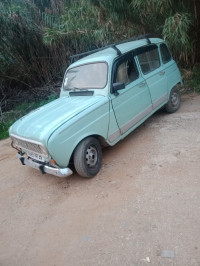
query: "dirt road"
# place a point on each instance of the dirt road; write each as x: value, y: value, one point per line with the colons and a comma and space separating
x: 142, y: 208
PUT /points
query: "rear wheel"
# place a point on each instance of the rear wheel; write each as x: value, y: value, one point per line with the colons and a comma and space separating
x: 174, y: 101
x: 88, y: 157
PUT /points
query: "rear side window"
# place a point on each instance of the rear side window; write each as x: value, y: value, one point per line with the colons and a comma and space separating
x: 165, y: 54
x: 126, y: 71
x: 149, y: 60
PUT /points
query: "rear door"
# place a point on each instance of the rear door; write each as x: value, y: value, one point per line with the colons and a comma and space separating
x: 133, y: 103
x: 171, y: 70
x: 154, y: 74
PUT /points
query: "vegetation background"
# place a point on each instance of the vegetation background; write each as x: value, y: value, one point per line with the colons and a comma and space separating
x: 37, y: 38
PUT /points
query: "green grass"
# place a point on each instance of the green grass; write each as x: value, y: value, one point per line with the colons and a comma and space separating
x: 8, y: 118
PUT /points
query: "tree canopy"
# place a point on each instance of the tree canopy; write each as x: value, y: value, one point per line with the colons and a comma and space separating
x: 38, y: 36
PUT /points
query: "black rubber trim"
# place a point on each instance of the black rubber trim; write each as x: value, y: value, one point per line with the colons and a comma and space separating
x: 76, y: 57
x: 22, y: 160
x: 41, y: 167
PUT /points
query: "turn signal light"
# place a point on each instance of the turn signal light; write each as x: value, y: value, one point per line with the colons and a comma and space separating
x: 53, y: 161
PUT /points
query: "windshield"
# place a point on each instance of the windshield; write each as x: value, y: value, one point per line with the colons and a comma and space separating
x: 89, y: 76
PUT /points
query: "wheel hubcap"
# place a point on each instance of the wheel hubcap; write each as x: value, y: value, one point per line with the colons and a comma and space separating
x: 91, y: 156
x: 174, y: 99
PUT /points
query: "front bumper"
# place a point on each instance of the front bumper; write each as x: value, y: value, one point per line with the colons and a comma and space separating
x: 61, y: 172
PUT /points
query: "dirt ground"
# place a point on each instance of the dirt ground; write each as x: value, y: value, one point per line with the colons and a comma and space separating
x: 142, y: 208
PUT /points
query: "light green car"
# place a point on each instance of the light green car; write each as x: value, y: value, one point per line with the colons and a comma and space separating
x: 105, y: 95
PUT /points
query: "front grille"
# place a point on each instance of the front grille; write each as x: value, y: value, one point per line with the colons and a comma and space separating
x: 27, y: 145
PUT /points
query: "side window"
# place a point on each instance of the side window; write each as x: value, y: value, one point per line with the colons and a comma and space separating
x: 149, y: 60
x: 126, y: 71
x: 165, y: 54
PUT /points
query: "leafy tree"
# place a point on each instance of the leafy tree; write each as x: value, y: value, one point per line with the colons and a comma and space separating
x: 38, y: 36
x: 177, y: 21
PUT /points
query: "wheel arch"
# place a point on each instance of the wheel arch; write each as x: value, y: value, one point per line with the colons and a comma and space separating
x: 100, y: 138
x: 176, y: 84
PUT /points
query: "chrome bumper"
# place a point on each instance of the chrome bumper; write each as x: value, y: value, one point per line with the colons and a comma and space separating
x: 61, y: 172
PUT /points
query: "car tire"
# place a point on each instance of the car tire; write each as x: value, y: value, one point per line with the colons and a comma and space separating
x: 174, y: 101
x: 88, y: 157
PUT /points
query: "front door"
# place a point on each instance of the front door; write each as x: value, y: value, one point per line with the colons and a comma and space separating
x: 133, y: 103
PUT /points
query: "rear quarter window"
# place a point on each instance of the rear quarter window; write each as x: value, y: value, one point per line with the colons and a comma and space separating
x: 149, y: 60
x: 165, y: 53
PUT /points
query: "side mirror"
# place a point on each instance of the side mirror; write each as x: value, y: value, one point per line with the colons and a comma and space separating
x: 118, y: 86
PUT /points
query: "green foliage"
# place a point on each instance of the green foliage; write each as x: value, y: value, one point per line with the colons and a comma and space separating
x: 115, y: 11
x: 84, y: 26
x: 193, y: 79
x: 8, y: 118
x: 4, y: 126
x: 25, y: 61
x: 74, y: 30
x: 177, y: 21
x: 38, y: 36
x: 175, y: 31
x: 172, y: 20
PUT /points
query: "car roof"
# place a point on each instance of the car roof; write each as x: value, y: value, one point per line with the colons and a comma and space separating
x: 109, y: 54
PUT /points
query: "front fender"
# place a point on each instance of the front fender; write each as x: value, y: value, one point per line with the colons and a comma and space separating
x: 92, y: 121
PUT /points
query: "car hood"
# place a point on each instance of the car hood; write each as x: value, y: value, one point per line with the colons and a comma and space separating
x: 41, y: 123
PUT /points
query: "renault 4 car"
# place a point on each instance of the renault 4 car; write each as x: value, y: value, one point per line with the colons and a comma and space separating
x: 105, y: 95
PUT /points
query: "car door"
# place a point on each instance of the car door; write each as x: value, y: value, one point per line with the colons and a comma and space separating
x: 154, y: 74
x: 132, y: 103
x: 171, y: 70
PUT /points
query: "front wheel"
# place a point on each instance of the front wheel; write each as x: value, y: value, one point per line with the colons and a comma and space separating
x: 174, y: 101
x: 88, y: 157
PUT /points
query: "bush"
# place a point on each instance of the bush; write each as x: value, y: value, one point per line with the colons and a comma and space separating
x: 8, y: 118
x: 192, y: 79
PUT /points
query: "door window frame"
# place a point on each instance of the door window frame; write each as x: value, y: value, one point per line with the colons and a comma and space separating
x: 161, y: 57
x: 147, y: 49
x: 120, y: 60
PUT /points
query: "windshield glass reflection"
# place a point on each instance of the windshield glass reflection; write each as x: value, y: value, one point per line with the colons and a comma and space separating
x: 89, y: 76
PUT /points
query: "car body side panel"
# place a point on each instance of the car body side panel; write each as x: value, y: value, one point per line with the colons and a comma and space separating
x: 173, y: 75
x: 131, y: 104
x: 157, y: 83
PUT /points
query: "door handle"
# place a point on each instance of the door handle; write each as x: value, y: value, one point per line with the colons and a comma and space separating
x: 162, y: 73
x: 142, y: 84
